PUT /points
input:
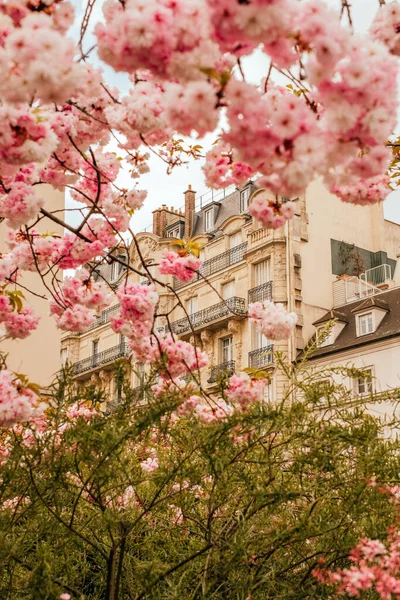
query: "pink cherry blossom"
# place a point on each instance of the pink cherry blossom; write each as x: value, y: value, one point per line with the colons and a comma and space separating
x: 182, y: 267
x: 18, y: 403
x: 272, y: 320
x: 271, y: 213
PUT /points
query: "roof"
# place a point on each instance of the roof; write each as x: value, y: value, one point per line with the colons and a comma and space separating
x: 329, y: 316
x: 223, y: 209
x: 389, y: 326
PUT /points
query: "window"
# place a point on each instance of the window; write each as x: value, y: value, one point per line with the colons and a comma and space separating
x: 114, y: 271
x: 235, y: 239
x: 324, y: 337
x: 209, y: 219
x: 268, y: 392
x: 259, y: 340
x: 227, y: 349
x: 244, y: 199
x: 228, y: 290
x: 95, y: 347
x: 191, y: 305
x: 64, y: 356
x: 174, y: 233
x: 365, y: 324
x: 364, y: 385
x: 117, y: 389
x: 122, y: 339
x: 262, y: 272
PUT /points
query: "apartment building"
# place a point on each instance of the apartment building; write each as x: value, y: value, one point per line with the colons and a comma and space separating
x: 296, y: 265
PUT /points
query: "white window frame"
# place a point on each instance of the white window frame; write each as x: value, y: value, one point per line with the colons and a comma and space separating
x: 244, y: 199
x: 364, y: 386
x: 228, y: 289
x: 227, y: 343
x: 174, y: 232
x: 259, y: 340
x: 369, y: 322
x: 115, y: 271
x: 209, y: 219
x: 192, y: 305
x: 95, y: 347
x: 235, y: 239
x: 262, y: 275
x: 329, y: 339
x: 63, y: 356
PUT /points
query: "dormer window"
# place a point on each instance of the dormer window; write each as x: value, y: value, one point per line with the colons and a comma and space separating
x: 174, y: 233
x: 209, y: 219
x: 365, y: 323
x: 324, y: 337
x: 244, y: 199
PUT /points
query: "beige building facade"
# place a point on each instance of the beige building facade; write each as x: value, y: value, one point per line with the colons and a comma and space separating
x: 38, y: 355
x: 242, y: 263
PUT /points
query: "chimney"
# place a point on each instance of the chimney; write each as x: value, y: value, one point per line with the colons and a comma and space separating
x: 160, y: 221
x: 190, y: 207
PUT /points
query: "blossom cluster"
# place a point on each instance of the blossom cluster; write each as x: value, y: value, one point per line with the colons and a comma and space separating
x: 244, y: 391
x: 271, y: 213
x: 272, y: 320
x: 79, y: 294
x: 18, y: 403
x: 385, y: 26
x: 182, y: 267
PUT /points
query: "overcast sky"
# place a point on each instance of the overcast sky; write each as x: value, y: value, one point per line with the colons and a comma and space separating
x: 168, y: 189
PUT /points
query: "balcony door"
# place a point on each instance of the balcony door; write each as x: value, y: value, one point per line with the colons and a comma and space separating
x: 95, y: 352
x: 192, y: 308
x: 228, y: 290
x: 262, y: 272
x: 227, y: 349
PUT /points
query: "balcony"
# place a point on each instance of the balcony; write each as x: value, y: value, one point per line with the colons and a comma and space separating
x: 261, y: 292
x: 258, y: 359
x: 233, y: 307
x: 222, y: 371
x: 213, y: 265
x: 350, y: 288
x: 101, y: 358
x: 103, y: 318
x: 380, y: 276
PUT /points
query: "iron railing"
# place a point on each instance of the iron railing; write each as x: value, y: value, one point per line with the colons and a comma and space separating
x: 103, y: 318
x: 261, y: 358
x: 377, y: 275
x: 233, y: 306
x: 101, y: 358
x: 261, y: 292
x: 225, y: 369
x: 213, y: 265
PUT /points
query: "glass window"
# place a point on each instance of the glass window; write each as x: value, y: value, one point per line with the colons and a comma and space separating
x: 259, y: 340
x: 114, y: 271
x: 363, y: 384
x: 365, y: 324
x: 64, y: 356
x: 174, y: 233
x: 262, y: 272
x: 209, y: 219
x: 192, y: 305
x: 227, y: 349
x: 325, y: 338
x: 95, y: 347
x: 228, y: 290
x: 235, y: 239
x: 244, y: 199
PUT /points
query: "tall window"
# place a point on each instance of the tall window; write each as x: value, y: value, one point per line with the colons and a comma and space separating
x: 114, y: 271
x: 209, y: 219
x: 259, y: 340
x: 95, y: 347
x: 244, y: 199
x: 64, y: 356
x: 192, y: 305
x: 365, y: 324
x: 364, y: 385
x: 235, y: 239
x: 228, y: 290
x: 227, y: 349
x: 262, y: 272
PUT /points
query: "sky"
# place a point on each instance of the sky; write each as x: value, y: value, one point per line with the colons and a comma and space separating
x: 168, y: 189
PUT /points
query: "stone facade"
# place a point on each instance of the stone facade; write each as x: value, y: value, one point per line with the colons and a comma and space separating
x: 242, y: 263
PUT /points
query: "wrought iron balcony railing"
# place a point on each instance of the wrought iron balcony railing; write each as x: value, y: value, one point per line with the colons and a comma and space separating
x: 261, y: 358
x: 261, y: 292
x: 225, y: 369
x: 231, y: 307
x: 103, y: 318
x: 213, y: 265
x: 101, y: 358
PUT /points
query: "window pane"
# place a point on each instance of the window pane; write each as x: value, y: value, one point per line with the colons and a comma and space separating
x: 227, y: 349
x: 235, y: 239
x: 228, y: 290
x: 262, y: 272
